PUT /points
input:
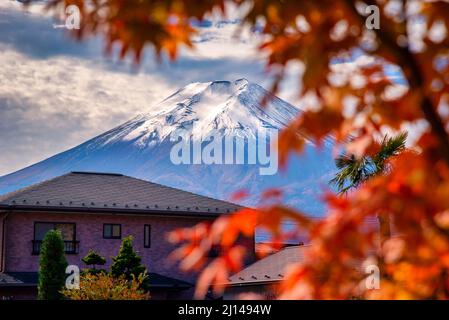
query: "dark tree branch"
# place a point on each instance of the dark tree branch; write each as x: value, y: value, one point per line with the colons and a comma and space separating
x: 414, y: 77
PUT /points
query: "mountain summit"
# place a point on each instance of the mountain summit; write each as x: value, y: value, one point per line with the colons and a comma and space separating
x: 229, y: 107
x: 141, y: 147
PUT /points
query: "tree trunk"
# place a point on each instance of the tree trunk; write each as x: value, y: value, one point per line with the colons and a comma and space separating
x: 384, y: 228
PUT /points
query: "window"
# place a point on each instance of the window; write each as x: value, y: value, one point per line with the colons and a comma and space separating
x: 112, y: 231
x: 147, y: 236
x: 68, y: 232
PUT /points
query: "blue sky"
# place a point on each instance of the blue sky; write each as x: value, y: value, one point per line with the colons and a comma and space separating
x: 56, y: 93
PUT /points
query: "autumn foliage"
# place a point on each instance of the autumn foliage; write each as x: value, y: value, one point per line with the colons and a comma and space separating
x: 324, y: 35
x: 104, y: 286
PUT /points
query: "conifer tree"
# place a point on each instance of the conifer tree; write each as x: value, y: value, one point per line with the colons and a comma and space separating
x: 92, y: 259
x: 52, y: 266
x: 127, y: 262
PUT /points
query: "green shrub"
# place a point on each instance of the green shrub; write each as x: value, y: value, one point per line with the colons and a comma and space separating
x: 93, y: 259
x: 52, y: 266
x: 127, y: 263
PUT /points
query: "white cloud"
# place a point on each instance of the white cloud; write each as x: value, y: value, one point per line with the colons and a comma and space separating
x: 56, y: 93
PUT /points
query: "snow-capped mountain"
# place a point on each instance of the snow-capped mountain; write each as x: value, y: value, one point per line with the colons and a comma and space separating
x: 141, y: 147
x: 229, y: 107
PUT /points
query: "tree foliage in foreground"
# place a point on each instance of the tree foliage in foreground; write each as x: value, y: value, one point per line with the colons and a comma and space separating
x: 318, y: 34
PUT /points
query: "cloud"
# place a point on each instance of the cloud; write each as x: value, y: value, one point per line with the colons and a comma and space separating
x: 55, y: 93
x: 50, y: 105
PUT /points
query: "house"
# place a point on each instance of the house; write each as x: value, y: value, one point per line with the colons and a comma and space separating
x: 267, y: 248
x: 263, y: 276
x: 95, y: 211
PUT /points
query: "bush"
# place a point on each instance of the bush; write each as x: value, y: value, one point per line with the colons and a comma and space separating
x: 52, y: 266
x: 104, y: 286
x: 93, y: 259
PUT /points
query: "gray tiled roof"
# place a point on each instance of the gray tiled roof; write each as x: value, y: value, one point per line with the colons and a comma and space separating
x: 270, y: 268
x: 87, y: 191
x: 18, y: 279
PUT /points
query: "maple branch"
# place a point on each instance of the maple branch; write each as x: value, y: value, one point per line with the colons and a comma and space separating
x: 414, y: 77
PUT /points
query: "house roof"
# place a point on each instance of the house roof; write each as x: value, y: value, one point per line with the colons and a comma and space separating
x: 18, y: 279
x: 30, y: 279
x: 106, y: 192
x: 159, y: 281
x: 270, y: 268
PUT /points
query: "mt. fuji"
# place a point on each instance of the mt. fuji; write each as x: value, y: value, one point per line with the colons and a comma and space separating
x: 141, y: 147
x: 228, y: 107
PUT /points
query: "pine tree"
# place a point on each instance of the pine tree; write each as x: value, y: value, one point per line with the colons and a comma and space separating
x: 52, y: 266
x: 353, y: 171
x: 127, y: 262
x: 92, y: 259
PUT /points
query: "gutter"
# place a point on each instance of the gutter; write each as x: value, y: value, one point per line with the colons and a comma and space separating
x: 109, y: 210
x: 21, y: 285
x: 2, y: 255
x: 253, y: 283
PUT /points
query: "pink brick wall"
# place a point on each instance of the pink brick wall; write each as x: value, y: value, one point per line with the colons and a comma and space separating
x: 89, y: 231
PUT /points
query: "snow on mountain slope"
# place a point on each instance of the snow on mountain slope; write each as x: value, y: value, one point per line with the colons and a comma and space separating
x: 230, y: 107
x: 141, y: 147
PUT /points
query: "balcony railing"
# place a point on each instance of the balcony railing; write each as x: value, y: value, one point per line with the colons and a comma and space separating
x: 70, y: 247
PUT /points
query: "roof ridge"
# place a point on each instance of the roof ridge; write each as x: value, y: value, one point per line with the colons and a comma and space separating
x: 296, y: 246
x: 98, y: 173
